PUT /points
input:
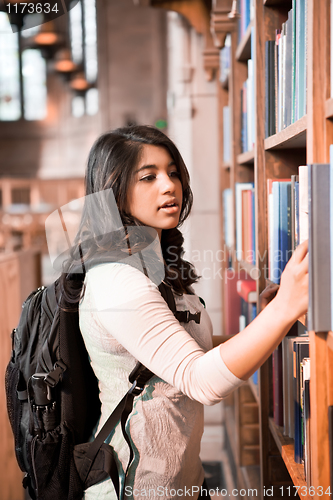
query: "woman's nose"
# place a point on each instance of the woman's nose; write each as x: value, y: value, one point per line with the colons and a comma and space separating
x: 167, y: 184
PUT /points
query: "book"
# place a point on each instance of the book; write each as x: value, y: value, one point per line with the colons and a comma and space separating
x: 303, y: 203
x: 232, y: 301
x: 301, y: 41
x: 301, y: 351
x: 273, y: 211
x: 277, y: 386
x: 294, y: 212
x: 305, y: 417
x: 279, y: 230
x: 239, y: 187
x: 288, y: 70
x: 247, y: 289
x: 319, y: 311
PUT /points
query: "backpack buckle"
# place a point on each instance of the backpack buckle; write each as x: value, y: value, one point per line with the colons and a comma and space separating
x: 135, y: 389
x: 53, y: 377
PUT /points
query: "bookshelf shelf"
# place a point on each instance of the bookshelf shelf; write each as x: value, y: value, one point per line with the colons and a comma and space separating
x: 291, y: 137
x: 246, y: 158
x: 286, y: 448
x: 329, y: 108
x: 243, y: 52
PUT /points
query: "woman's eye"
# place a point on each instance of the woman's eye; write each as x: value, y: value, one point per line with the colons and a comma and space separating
x: 148, y: 178
x: 175, y: 173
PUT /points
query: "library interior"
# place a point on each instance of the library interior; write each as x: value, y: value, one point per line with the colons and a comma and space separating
x: 245, y: 90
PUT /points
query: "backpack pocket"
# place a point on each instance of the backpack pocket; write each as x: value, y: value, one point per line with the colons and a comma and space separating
x: 53, y: 465
x: 102, y: 467
x: 15, y: 409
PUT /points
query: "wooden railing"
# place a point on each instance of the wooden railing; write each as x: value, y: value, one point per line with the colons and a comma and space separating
x: 20, y: 273
x: 25, y: 204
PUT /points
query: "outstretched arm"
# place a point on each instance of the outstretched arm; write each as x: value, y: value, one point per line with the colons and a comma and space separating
x: 249, y: 349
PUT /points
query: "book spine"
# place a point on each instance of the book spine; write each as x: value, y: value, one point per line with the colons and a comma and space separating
x: 284, y: 225
x: 301, y: 350
x: 319, y: 313
x: 277, y: 386
x: 293, y: 62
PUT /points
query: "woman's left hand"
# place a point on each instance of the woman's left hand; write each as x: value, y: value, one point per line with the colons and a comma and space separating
x: 267, y: 295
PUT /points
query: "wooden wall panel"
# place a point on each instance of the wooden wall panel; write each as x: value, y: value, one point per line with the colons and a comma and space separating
x: 19, y: 274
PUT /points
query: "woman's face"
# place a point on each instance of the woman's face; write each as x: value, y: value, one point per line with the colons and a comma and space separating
x: 155, y: 196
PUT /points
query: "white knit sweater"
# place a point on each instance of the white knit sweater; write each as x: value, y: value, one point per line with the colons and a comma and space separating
x: 123, y: 318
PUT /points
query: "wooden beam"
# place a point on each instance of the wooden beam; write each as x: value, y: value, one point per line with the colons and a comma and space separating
x: 220, y: 23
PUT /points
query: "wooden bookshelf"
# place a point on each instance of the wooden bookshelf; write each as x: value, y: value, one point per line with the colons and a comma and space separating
x: 243, y: 52
x: 291, y: 137
x: 246, y: 158
x: 286, y: 447
x: 307, y: 140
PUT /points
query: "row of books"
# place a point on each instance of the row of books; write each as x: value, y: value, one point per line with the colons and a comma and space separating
x: 291, y: 398
x: 245, y: 222
x: 248, y: 105
x: 301, y: 208
x: 287, y: 219
x: 285, y: 71
x: 246, y: 10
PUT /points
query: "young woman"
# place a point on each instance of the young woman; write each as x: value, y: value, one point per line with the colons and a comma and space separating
x: 123, y: 317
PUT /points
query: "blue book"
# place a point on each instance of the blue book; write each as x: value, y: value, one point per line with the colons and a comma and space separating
x: 301, y: 351
x: 275, y: 260
x: 285, y: 224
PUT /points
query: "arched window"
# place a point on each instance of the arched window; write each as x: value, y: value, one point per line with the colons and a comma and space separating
x: 22, y: 76
x: 83, y: 36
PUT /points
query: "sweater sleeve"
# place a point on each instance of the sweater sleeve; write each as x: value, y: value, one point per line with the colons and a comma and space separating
x: 131, y: 309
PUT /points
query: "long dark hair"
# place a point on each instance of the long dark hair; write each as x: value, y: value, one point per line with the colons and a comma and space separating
x: 111, y: 164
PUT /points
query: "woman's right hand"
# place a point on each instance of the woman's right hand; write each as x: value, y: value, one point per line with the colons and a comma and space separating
x: 293, y: 294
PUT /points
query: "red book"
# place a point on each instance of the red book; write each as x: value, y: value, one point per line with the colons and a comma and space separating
x: 232, y: 301
x: 247, y: 289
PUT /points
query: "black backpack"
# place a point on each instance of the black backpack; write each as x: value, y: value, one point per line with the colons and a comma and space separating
x: 53, y: 399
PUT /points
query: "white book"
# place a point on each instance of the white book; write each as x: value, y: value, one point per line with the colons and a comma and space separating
x: 303, y: 203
